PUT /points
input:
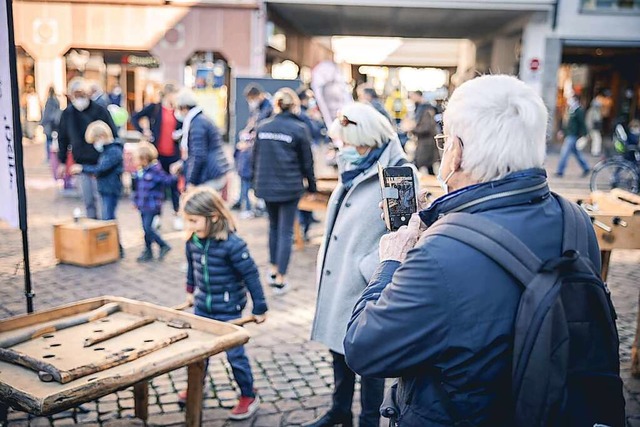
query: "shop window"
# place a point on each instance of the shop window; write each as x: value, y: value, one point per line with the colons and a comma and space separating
x: 611, y: 5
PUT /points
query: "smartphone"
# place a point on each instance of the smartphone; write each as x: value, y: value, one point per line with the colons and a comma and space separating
x: 399, y: 195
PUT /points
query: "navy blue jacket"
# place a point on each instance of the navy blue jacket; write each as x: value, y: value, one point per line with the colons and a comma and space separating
x: 449, y: 309
x: 150, y: 186
x: 108, y: 170
x: 73, y: 125
x: 153, y: 112
x: 219, y: 274
x: 206, y: 159
x: 282, y: 158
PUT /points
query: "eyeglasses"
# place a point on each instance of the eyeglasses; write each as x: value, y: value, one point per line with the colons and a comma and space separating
x: 441, y: 140
x: 345, y: 121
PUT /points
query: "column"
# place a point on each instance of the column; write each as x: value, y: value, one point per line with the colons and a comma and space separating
x: 50, y: 71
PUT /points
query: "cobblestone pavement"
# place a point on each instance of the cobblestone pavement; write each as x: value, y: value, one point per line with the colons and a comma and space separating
x: 292, y: 374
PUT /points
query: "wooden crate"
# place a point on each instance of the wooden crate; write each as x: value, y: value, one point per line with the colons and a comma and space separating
x: 87, y: 242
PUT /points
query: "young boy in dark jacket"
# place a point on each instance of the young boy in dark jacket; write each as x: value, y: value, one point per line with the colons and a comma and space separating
x: 243, y: 157
x: 151, y: 182
x: 108, y: 170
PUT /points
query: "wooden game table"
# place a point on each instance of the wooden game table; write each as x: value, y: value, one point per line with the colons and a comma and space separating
x: 57, y: 359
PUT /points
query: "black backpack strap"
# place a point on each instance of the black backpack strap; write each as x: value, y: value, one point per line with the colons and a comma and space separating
x: 573, y: 220
x: 403, y: 161
x: 491, y: 239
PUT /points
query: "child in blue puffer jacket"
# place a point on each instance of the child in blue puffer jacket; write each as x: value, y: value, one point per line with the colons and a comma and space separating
x: 220, y: 271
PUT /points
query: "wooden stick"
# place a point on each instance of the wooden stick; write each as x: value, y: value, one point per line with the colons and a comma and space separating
x: 182, y: 306
x: 17, y: 358
x: 243, y: 320
x: 117, y: 332
x: 115, y: 359
x: 64, y: 323
x: 141, y: 400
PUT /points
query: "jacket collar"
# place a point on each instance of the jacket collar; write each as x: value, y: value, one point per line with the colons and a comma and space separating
x: 527, y: 186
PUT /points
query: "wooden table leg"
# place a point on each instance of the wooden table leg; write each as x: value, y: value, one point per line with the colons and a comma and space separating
x: 141, y: 400
x: 605, y: 256
x: 297, y: 235
x: 195, y: 387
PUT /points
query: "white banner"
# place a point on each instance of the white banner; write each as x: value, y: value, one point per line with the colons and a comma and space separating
x: 8, y: 177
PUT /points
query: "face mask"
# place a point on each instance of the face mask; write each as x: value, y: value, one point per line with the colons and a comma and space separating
x: 80, y: 104
x: 117, y: 91
x: 443, y: 182
x: 179, y: 116
x: 312, y: 103
x: 99, y: 146
x: 351, y: 155
x: 253, y: 105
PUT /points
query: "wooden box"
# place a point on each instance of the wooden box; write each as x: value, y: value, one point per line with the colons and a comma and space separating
x: 87, y: 242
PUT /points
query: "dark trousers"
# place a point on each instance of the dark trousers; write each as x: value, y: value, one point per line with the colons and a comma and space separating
x: 165, y: 162
x: 237, y: 358
x: 371, y: 393
x: 150, y: 234
x: 306, y: 219
x: 245, y: 186
x: 109, y: 205
x: 282, y: 216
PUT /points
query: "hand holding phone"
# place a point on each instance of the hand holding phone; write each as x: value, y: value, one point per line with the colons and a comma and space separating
x: 399, y: 195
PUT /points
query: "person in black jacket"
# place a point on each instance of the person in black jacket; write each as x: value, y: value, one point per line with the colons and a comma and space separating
x: 50, y: 119
x: 282, y: 160
x: 162, y: 124
x: 73, y: 124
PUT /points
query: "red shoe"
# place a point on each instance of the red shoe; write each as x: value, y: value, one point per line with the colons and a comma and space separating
x: 246, y: 407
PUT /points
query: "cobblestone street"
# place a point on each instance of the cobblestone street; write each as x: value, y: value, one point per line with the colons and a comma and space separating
x: 293, y: 375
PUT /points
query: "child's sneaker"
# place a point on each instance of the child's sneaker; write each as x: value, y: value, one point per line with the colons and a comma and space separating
x: 163, y: 251
x: 246, y: 407
x: 145, y: 256
x: 247, y: 215
x: 178, y: 223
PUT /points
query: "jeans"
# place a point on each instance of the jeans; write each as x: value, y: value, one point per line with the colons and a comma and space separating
x: 109, y: 205
x: 89, y: 188
x: 568, y: 148
x: 173, y: 188
x: 306, y: 219
x: 236, y: 356
x: 371, y: 393
x: 47, y: 147
x: 245, y: 186
x: 282, y: 216
x: 150, y: 234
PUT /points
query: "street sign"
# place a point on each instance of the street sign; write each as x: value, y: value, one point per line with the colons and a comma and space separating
x: 534, y: 64
x: 8, y: 170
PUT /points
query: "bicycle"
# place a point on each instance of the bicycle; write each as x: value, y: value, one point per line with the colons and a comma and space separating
x: 622, y: 171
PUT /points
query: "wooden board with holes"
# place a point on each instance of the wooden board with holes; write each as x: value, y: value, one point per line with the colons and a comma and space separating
x: 22, y: 388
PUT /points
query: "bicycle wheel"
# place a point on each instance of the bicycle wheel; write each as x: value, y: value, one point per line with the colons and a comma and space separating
x: 614, y: 174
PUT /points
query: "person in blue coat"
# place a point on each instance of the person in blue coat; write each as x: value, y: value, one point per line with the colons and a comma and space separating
x: 219, y: 274
x: 206, y: 163
x: 437, y: 314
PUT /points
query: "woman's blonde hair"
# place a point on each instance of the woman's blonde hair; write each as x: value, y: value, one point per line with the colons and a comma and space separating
x: 97, y: 130
x: 146, y: 151
x: 286, y: 99
x: 206, y: 202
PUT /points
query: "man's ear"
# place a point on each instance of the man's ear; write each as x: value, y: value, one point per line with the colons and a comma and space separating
x: 456, y: 154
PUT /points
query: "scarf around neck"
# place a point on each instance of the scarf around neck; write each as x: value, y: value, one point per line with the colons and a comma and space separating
x: 185, y: 126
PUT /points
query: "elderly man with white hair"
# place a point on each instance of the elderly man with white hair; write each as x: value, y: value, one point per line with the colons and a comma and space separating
x: 71, y: 135
x: 438, y: 313
x: 205, y: 163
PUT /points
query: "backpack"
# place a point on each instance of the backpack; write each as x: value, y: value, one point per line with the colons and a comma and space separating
x: 565, y: 366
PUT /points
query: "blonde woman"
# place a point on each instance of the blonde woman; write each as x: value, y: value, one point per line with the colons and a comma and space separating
x: 349, y: 254
x: 282, y: 162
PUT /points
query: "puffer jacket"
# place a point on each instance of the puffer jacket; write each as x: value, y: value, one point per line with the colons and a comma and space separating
x: 219, y: 274
x: 449, y: 309
x: 109, y: 169
x: 282, y: 159
x: 206, y: 160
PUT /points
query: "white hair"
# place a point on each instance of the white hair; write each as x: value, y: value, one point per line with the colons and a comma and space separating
x: 186, y: 98
x: 502, y: 124
x: 76, y: 84
x: 372, y: 129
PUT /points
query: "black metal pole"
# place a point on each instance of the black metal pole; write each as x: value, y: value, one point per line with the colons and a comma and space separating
x: 17, y: 143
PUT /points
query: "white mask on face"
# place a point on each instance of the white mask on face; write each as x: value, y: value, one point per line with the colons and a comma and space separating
x: 443, y: 182
x: 253, y: 105
x: 99, y: 146
x: 178, y: 115
x: 80, y: 104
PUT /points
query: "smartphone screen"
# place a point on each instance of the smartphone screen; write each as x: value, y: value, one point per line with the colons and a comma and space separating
x: 398, y: 210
